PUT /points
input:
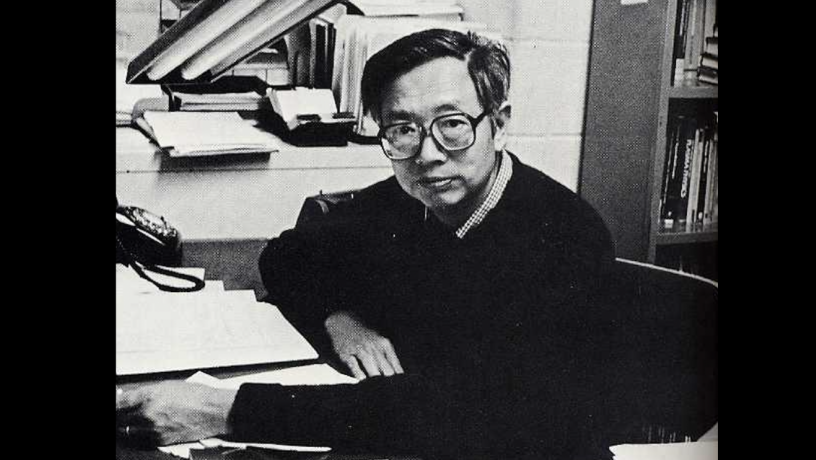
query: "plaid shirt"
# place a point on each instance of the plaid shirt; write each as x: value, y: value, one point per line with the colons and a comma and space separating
x: 502, y: 178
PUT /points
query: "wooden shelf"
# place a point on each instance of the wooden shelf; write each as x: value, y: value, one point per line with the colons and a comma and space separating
x: 705, y: 235
x: 693, y: 92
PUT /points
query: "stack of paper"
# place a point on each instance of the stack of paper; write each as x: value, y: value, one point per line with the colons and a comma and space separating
x: 219, y: 102
x: 184, y: 134
x: 305, y: 105
x: 704, y: 450
x: 128, y: 95
x: 160, y: 331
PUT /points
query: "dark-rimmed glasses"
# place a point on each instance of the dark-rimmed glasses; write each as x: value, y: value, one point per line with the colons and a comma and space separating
x: 452, y: 132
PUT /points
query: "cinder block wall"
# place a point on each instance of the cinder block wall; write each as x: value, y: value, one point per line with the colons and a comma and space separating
x: 549, y: 46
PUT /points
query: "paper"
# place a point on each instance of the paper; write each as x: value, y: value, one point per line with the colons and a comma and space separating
x: 705, y: 450
x: 207, y: 133
x: 312, y: 374
x: 160, y: 331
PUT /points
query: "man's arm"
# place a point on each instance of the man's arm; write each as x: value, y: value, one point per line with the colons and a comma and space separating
x: 316, y: 277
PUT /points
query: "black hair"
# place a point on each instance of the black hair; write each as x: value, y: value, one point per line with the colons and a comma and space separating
x: 487, y: 61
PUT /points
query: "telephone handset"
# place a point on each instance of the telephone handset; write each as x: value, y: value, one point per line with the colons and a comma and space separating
x: 144, y: 241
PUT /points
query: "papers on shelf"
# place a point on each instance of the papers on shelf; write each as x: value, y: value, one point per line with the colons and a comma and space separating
x: 701, y: 450
x: 222, y: 102
x: 313, y: 374
x: 128, y: 95
x: 205, y: 133
x: 303, y: 105
x: 408, y: 8
x: 160, y: 331
x: 360, y: 37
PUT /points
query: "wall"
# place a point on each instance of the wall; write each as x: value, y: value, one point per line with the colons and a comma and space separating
x: 549, y: 45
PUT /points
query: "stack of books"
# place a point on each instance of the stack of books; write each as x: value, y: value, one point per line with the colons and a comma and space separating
x: 708, y: 68
x: 695, y: 37
x: 689, y: 199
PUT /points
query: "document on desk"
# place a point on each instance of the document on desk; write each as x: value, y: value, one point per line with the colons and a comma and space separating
x: 187, y: 134
x: 701, y: 450
x: 160, y: 332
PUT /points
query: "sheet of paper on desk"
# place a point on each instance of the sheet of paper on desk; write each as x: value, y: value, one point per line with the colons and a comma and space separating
x: 159, y: 332
x: 701, y: 450
x: 311, y: 374
x: 183, y: 450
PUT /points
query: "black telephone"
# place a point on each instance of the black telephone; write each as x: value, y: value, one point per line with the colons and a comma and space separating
x: 144, y: 241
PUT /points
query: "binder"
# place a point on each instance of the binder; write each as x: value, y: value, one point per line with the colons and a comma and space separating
x: 215, y: 35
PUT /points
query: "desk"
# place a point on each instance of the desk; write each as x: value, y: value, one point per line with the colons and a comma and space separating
x: 237, y: 197
x: 236, y: 263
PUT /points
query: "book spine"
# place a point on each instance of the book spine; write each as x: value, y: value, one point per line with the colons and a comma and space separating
x: 701, y: 199
x: 694, y: 178
x: 674, y: 210
x: 668, y: 172
x: 687, y: 147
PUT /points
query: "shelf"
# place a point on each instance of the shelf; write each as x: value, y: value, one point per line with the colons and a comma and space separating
x: 693, y: 92
x: 136, y: 154
x: 705, y: 235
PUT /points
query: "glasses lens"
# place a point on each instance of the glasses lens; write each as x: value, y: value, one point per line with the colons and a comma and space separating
x: 454, y: 132
x: 401, y: 141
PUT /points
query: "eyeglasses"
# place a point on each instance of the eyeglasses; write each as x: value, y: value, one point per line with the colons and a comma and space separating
x: 452, y: 132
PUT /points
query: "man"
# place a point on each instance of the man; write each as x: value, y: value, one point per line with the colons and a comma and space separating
x: 462, y: 291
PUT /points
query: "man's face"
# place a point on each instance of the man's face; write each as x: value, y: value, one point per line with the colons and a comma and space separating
x: 449, y: 183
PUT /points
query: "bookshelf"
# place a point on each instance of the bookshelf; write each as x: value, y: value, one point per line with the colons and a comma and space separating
x: 638, y: 98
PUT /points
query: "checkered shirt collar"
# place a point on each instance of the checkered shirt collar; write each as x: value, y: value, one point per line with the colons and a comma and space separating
x: 496, y: 192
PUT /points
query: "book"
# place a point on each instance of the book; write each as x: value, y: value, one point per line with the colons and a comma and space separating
x: 216, y: 35
x: 708, y: 75
x: 711, y: 46
x: 694, y: 177
x: 678, y: 173
x: 710, y: 61
x: 683, y: 169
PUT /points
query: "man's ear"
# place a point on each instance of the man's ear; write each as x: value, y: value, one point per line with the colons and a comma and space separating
x: 501, y: 120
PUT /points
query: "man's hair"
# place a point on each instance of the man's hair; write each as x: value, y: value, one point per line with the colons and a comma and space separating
x: 487, y: 62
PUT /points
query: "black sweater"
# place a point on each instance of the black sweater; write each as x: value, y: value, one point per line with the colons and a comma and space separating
x: 500, y: 333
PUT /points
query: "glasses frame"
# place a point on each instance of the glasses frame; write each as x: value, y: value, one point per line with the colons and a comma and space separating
x: 423, y: 133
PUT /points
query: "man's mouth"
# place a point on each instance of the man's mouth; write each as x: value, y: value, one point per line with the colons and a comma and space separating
x: 435, y: 183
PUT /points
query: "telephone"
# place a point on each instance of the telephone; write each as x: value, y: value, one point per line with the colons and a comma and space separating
x: 147, y: 243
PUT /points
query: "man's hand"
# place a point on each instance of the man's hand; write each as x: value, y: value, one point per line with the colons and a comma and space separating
x: 172, y: 412
x: 355, y: 344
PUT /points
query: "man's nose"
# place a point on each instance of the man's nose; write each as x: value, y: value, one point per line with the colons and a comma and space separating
x: 429, y: 151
